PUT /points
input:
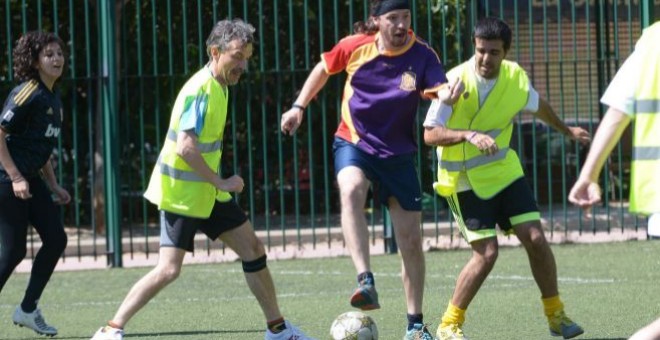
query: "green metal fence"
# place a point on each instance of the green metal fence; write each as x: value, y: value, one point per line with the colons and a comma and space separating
x: 129, y: 58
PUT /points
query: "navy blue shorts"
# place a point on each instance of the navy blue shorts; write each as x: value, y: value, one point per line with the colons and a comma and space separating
x: 394, y: 176
x: 179, y: 231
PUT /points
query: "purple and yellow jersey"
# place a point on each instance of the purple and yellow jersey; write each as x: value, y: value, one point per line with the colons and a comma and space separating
x: 382, y: 91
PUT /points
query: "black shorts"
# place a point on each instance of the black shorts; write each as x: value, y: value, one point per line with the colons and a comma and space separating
x: 395, y: 176
x: 477, y: 217
x: 179, y: 231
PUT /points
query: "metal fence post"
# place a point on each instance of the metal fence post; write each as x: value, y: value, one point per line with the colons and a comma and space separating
x: 108, y: 86
x: 647, y: 8
x: 388, y: 233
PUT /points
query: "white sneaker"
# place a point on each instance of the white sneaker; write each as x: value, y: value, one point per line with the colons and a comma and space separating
x: 290, y: 333
x: 34, y: 321
x: 108, y: 333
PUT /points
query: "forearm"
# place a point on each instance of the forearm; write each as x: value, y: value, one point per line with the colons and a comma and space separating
x: 442, y: 136
x: 547, y: 114
x: 609, y: 132
x: 314, y: 83
x: 6, y: 160
x: 48, y: 174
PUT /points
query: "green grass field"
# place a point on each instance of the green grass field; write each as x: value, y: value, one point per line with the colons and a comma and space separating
x: 611, y: 289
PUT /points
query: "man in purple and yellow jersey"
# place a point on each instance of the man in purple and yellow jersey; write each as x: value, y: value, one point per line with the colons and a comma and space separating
x: 388, y: 67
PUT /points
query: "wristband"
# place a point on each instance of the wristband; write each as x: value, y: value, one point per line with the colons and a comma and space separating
x: 469, y: 138
x: 298, y: 106
x: 18, y: 179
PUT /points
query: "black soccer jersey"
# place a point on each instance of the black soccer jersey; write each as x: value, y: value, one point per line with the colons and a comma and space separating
x: 32, y: 116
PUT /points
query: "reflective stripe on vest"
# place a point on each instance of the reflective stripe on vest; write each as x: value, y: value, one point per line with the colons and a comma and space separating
x: 202, y: 147
x: 190, y: 176
x: 647, y: 105
x: 474, y: 162
x: 646, y: 153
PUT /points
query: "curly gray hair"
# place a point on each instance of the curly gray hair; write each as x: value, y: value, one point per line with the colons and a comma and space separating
x: 226, y: 31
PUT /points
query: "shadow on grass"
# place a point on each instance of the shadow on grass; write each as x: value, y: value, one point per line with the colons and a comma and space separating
x: 192, y: 333
x: 150, y: 335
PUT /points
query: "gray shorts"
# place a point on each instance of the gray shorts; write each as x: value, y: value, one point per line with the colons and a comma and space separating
x: 179, y: 231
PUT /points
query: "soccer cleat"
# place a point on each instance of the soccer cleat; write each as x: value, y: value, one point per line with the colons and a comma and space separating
x: 450, y: 332
x: 418, y: 332
x: 108, y: 333
x: 289, y: 333
x: 562, y: 325
x: 365, y: 296
x: 34, y: 321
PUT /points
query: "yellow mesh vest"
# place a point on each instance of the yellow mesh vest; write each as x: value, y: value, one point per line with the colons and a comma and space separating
x: 488, y: 175
x: 645, y: 168
x: 175, y: 186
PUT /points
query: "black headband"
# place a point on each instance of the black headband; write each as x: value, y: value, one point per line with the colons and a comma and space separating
x: 386, y: 6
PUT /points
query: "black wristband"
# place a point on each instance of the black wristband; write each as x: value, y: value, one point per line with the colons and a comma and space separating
x: 298, y: 106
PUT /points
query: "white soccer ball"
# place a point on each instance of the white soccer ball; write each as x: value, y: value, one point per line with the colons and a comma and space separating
x: 354, y: 326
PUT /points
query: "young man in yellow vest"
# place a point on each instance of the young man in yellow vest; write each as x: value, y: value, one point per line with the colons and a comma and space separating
x: 192, y: 196
x: 633, y: 94
x: 482, y: 178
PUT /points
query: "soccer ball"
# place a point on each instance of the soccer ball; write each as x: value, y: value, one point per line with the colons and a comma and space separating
x: 354, y: 326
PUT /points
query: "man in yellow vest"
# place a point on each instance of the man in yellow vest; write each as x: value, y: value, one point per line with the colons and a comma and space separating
x: 191, y: 194
x: 482, y: 178
x: 633, y: 94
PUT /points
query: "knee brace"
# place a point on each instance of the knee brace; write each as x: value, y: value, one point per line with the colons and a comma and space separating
x: 255, y: 265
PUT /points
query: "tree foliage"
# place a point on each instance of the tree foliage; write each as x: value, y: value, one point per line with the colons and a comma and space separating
x: 160, y: 43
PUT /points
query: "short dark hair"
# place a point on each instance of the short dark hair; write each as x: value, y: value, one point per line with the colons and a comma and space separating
x: 491, y: 28
x: 26, y: 53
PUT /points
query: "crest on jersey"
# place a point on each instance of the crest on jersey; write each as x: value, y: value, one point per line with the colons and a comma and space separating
x: 50, y: 111
x: 408, y: 81
x: 8, y: 115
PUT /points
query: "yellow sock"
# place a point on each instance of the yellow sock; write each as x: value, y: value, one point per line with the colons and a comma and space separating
x: 552, y: 305
x: 453, y: 315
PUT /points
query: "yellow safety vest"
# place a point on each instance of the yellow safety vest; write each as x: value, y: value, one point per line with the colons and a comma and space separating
x: 488, y: 175
x: 645, y: 168
x: 174, y: 185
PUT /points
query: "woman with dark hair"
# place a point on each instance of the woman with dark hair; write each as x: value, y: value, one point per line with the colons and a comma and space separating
x: 30, y: 125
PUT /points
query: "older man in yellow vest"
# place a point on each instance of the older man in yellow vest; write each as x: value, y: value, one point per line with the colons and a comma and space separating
x: 191, y: 193
x: 633, y: 94
x: 482, y: 178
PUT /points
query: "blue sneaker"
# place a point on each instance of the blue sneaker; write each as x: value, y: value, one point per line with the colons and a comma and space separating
x: 365, y: 296
x: 418, y: 332
x: 562, y: 325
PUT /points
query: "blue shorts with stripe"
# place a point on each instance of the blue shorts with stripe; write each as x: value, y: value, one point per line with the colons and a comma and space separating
x: 394, y: 176
x: 477, y: 217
